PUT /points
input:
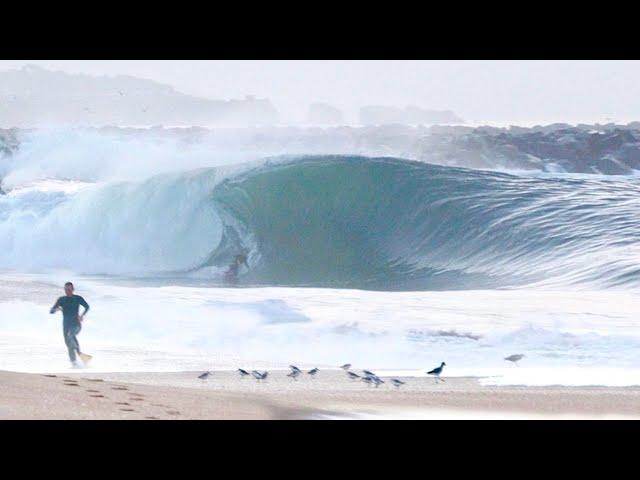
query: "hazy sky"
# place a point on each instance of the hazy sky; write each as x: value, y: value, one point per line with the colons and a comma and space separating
x: 478, y: 91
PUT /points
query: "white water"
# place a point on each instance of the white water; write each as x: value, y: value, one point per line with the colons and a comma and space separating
x: 570, y: 338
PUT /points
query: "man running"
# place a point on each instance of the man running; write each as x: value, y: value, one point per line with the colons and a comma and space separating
x: 71, y: 319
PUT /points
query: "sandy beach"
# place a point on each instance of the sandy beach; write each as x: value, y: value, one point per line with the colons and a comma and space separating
x: 165, y: 396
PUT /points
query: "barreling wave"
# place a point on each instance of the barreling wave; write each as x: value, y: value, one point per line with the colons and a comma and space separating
x: 394, y: 224
x: 341, y: 221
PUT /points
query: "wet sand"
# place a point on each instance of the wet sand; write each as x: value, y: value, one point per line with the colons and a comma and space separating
x: 164, y: 396
x: 81, y: 397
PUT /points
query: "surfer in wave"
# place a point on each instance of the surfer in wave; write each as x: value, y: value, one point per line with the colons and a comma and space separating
x: 234, y: 269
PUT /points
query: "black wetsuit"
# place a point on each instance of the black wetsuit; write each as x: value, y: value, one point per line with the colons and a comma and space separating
x: 70, y: 324
x: 232, y: 273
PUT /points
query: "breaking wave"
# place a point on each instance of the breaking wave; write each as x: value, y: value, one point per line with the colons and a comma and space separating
x: 335, y: 221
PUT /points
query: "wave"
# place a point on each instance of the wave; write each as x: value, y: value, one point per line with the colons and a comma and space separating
x: 395, y: 224
x: 337, y: 221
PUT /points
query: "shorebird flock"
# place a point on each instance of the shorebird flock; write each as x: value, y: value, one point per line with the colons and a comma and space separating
x: 366, y: 376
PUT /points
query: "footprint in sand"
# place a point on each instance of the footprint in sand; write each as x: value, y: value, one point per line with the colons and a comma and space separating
x: 173, y: 412
x: 152, y: 418
x: 123, y: 403
x: 51, y: 376
x: 119, y: 388
x: 93, y: 391
x: 159, y: 405
x: 97, y: 396
x: 136, y: 399
x: 71, y: 384
x: 95, y: 380
x: 134, y: 394
x: 127, y: 409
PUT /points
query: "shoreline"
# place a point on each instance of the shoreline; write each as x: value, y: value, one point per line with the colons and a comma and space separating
x: 180, y: 395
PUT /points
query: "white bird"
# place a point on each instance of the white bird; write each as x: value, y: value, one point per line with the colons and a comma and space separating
x: 515, y: 358
x: 437, y: 371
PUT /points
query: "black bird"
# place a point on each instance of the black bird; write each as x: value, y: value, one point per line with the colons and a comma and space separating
x: 294, y: 368
x: 370, y: 374
x: 313, y: 371
x: 204, y: 376
x: 294, y: 374
x: 243, y: 373
x: 353, y: 376
x: 437, y: 371
x: 397, y: 383
x: 346, y: 366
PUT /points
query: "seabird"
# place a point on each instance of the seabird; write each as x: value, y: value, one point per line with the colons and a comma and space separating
x: 377, y: 381
x: 313, y: 371
x: 259, y: 375
x: 353, y: 376
x: 368, y: 373
x: 243, y: 373
x: 437, y: 371
x: 204, y: 376
x: 294, y: 374
x: 368, y: 380
x: 372, y: 379
x: 295, y: 369
x: 515, y: 358
x: 346, y: 366
x: 396, y: 382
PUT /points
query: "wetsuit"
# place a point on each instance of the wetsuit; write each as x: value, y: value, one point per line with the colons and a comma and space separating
x: 70, y: 324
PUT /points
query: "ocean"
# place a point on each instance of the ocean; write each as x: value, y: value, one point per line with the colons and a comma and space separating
x: 386, y: 263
